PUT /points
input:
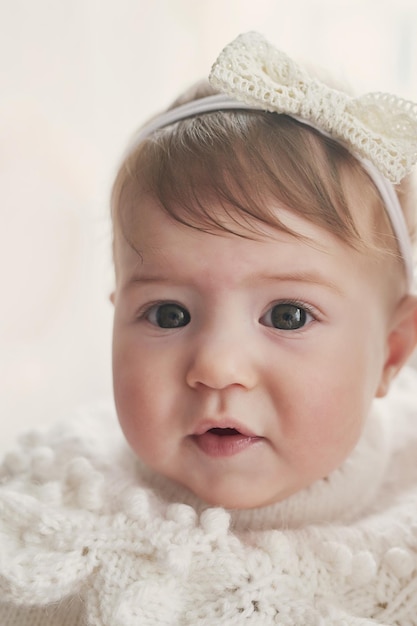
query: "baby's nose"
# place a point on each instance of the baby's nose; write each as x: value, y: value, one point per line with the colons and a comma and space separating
x: 220, y: 360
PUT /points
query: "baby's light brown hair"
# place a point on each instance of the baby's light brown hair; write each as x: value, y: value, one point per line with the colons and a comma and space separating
x: 244, y: 160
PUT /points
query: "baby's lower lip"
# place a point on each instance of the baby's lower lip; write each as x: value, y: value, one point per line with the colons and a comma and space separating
x: 226, y: 444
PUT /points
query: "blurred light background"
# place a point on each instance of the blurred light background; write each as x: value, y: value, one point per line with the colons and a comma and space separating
x: 76, y: 78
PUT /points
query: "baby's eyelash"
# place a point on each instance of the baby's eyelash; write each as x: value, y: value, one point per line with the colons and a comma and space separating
x: 144, y: 310
x: 299, y: 303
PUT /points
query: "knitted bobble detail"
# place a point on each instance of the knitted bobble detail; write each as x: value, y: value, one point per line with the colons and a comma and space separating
x: 401, y: 562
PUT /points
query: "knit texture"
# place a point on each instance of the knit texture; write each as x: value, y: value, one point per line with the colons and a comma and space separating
x: 377, y: 126
x: 82, y: 522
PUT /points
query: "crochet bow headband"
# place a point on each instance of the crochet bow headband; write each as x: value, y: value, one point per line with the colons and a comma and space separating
x: 379, y: 129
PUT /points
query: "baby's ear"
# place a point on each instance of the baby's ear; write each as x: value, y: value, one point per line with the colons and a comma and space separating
x: 112, y: 297
x: 401, y: 341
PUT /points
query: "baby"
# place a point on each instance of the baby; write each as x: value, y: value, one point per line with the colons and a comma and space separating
x: 263, y: 302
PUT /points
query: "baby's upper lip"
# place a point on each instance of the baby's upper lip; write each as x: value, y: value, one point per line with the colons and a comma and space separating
x: 231, y: 424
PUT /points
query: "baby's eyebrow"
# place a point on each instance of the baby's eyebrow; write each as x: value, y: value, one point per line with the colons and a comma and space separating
x: 138, y: 280
x: 310, y: 277
x: 150, y: 278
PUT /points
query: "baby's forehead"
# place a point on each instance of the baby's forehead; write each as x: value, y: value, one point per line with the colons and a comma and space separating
x: 159, y: 237
x: 187, y: 265
x: 213, y: 211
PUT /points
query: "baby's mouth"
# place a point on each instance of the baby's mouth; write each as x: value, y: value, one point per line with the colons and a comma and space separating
x: 224, y: 432
x: 224, y: 442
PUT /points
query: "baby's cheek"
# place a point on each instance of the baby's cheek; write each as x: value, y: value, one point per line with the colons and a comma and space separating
x: 139, y: 419
x: 325, y: 440
x: 129, y: 405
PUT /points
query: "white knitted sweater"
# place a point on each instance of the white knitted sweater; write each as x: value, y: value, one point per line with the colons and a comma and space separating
x: 87, y: 535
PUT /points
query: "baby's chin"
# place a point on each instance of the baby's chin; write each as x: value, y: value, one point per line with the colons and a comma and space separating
x: 239, y: 500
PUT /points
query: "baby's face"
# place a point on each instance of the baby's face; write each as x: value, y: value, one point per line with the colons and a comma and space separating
x: 244, y: 369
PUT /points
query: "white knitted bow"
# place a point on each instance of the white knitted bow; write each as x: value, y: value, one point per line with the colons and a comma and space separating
x: 377, y: 126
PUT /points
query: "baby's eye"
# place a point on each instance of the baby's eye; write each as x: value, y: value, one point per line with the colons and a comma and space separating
x: 168, y: 315
x: 287, y: 316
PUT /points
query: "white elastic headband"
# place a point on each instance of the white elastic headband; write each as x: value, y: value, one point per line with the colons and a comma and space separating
x: 220, y: 102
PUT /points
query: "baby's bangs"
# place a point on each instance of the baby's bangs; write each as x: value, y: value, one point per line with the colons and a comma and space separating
x: 201, y: 164
x: 241, y: 161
